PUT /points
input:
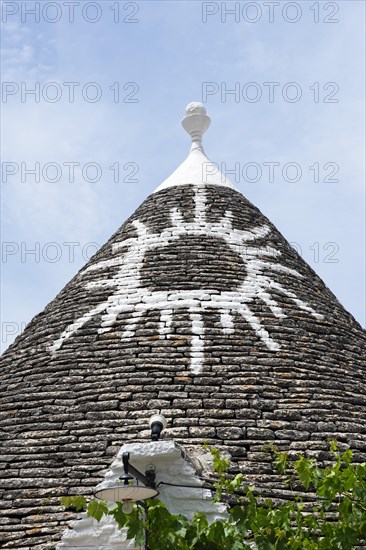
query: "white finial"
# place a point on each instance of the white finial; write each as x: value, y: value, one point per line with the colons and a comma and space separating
x: 197, y: 169
x: 196, y: 123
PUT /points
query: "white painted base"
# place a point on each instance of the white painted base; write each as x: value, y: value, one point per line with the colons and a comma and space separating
x: 171, y: 467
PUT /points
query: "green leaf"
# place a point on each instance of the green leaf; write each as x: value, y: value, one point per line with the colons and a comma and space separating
x: 200, y: 520
x: 333, y: 445
x: 66, y: 502
x: 220, y: 464
x: 97, y: 509
x: 347, y: 456
x: 305, y: 470
x: 136, y: 531
x: 78, y: 502
x: 120, y: 517
x: 280, y: 462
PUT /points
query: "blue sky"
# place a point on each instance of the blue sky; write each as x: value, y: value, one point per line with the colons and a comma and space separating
x: 160, y: 56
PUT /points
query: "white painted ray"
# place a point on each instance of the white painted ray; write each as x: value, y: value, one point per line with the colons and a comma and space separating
x: 104, y: 263
x: 227, y: 321
x: 252, y: 235
x: 272, y: 304
x: 176, y: 218
x: 101, y: 284
x: 166, y: 319
x: 297, y: 301
x: 73, y: 327
x: 129, y: 243
x: 197, y: 342
x: 251, y: 252
x: 261, y: 332
x: 141, y: 228
x: 278, y: 267
x: 200, y: 209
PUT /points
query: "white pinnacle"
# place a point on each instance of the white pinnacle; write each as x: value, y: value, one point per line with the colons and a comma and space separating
x: 196, y: 122
x: 197, y: 169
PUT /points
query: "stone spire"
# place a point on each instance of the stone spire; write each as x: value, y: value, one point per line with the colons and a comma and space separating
x: 197, y: 168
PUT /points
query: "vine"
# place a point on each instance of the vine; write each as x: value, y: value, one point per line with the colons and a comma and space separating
x: 254, y: 522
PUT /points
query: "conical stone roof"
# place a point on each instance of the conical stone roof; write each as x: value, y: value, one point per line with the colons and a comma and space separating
x: 198, y: 308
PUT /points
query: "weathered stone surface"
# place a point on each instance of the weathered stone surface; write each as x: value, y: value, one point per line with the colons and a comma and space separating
x: 64, y: 415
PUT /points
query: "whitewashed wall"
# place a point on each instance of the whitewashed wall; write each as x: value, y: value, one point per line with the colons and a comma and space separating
x: 171, y: 467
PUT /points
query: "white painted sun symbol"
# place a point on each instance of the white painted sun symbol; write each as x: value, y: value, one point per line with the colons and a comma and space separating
x: 133, y: 299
